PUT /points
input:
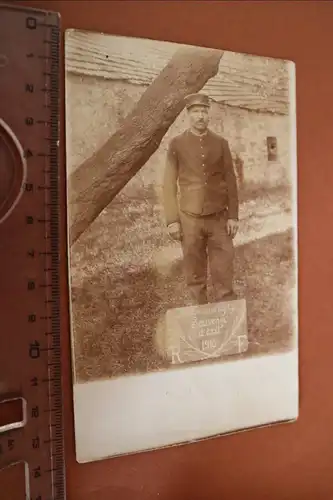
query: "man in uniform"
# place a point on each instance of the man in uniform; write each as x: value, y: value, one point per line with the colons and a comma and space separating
x: 201, y: 203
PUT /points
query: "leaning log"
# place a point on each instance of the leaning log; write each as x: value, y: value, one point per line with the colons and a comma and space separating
x: 94, y: 184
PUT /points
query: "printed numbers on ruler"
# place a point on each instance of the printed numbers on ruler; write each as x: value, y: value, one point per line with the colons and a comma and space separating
x: 40, y: 441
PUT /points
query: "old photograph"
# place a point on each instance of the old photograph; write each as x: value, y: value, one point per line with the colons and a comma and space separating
x: 182, y: 233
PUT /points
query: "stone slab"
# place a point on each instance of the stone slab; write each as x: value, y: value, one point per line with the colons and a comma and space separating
x: 204, y: 332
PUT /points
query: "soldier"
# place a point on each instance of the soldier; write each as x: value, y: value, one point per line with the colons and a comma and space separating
x: 201, y: 203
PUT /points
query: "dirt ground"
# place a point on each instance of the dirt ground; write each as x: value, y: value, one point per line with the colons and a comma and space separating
x: 125, y: 274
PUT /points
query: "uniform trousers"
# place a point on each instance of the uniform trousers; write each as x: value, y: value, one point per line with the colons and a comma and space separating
x: 205, y: 242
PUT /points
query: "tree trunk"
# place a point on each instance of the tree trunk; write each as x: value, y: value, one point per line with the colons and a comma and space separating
x: 95, y: 183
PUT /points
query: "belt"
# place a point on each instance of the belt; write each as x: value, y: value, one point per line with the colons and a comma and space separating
x: 200, y: 216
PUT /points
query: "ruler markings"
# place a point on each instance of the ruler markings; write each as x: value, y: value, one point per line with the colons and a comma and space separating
x: 59, y: 478
x: 44, y: 360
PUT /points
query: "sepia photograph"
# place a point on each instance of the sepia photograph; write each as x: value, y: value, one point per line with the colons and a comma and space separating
x: 182, y: 235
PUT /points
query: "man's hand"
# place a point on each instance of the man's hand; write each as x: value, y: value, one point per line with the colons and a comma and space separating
x: 232, y: 227
x: 174, y: 231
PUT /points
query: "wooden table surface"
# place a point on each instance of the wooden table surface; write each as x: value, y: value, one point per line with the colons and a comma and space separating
x: 293, y: 461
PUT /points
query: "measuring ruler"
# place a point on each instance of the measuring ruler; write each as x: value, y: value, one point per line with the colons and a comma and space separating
x: 30, y: 363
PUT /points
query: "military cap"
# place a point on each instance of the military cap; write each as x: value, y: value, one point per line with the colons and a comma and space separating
x: 197, y: 100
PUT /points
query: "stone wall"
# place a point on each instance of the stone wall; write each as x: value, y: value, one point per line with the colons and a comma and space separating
x: 96, y: 108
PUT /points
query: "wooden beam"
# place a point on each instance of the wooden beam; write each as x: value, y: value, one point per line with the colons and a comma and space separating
x: 94, y: 184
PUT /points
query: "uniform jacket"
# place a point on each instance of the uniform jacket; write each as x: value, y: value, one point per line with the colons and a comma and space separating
x: 199, y: 177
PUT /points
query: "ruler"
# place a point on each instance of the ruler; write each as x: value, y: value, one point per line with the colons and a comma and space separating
x: 30, y: 362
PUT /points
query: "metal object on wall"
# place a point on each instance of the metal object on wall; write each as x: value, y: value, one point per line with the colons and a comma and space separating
x: 272, y: 152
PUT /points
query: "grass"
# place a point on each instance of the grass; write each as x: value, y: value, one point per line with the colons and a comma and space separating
x: 126, y: 273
